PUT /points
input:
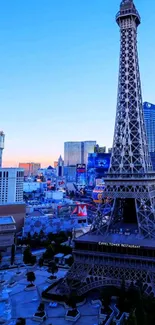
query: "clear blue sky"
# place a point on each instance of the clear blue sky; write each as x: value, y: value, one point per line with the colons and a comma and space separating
x: 59, y: 71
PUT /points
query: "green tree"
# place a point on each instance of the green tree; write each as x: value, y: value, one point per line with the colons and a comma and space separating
x: 70, y: 261
x: 106, y: 300
x: 41, y: 261
x: 0, y: 257
x: 41, y: 307
x: 122, y: 297
x: 132, y: 296
x: 132, y: 319
x: 12, y: 254
x: 28, y: 258
x: 41, y: 234
x: 53, y: 267
x: 149, y: 304
x: 31, y: 277
x: 29, y: 238
x: 72, y: 299
x: 49, y: 252
x: 35, y: 236
x: 140, y: 286
x: 20, y: 321
x: 140, y: 310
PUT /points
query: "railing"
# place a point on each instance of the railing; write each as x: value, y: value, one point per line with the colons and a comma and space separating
x: 130, y: 176
x: 127, y: 12
x: 98, y: 283
x: 124, y: 260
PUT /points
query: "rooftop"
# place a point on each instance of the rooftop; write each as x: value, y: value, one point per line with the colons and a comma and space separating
x: 19, y: 298
x: 6, y: 220
x: 11, y: 168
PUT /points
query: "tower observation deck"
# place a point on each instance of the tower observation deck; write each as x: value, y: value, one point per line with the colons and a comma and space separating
x: 121, y: 243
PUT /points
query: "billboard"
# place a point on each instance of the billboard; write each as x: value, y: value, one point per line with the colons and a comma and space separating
x: 81, y: 174
x: 98, y: 165
x: 71, y: 210
x: 82, y: 210
x: 61, y: 183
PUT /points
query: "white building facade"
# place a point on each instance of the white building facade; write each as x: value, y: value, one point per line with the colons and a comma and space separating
x: 11, y: 185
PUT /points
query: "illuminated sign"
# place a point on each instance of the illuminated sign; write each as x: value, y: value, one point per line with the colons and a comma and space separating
x: 83, y: 166
x: 118, y: 245
x: 81, y: 174
x: 82, y: 210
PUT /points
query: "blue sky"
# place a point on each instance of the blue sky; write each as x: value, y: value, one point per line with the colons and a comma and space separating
x: 59, y: 71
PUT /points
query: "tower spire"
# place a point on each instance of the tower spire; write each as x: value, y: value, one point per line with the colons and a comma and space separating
x: 130, y: 183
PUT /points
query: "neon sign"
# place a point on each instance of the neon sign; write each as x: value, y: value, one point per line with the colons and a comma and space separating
x: 118, y: 245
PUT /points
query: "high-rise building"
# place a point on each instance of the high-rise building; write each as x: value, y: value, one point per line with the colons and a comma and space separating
x: 88, y: 147
x: 11, y: 185
x: 99, y: 149
x: 60, y: 168
x: 30, y: 169
x: 55, y: 164
x: 72, y: 153
x: 2, y: 139
x: 121, y: 243
x: 77, y: 152
x: 149, y: 118
x: 109, y: 150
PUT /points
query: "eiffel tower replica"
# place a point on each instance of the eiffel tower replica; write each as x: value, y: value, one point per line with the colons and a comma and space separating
x: 121, y: 243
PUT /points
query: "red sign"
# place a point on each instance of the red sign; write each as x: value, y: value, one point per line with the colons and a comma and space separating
x: 82, y: 210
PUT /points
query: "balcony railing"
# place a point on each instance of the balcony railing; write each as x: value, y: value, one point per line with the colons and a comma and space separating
x: 128, y: 12
x: 132, y: 261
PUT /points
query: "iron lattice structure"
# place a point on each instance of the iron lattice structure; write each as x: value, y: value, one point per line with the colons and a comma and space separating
x: 130, y: 174
x: 129, y: 188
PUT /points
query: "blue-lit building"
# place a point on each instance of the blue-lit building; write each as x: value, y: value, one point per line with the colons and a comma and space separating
x: 149, y: 117
x: 97, y: 167
x: 81, y: 175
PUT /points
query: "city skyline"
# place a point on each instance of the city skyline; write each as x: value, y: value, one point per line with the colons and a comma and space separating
x: 54, y: 60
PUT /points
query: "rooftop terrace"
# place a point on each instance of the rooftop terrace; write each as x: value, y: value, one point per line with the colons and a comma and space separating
x: 24, y: 303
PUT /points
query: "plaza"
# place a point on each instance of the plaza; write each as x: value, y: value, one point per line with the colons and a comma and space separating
x: 25, y: 303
